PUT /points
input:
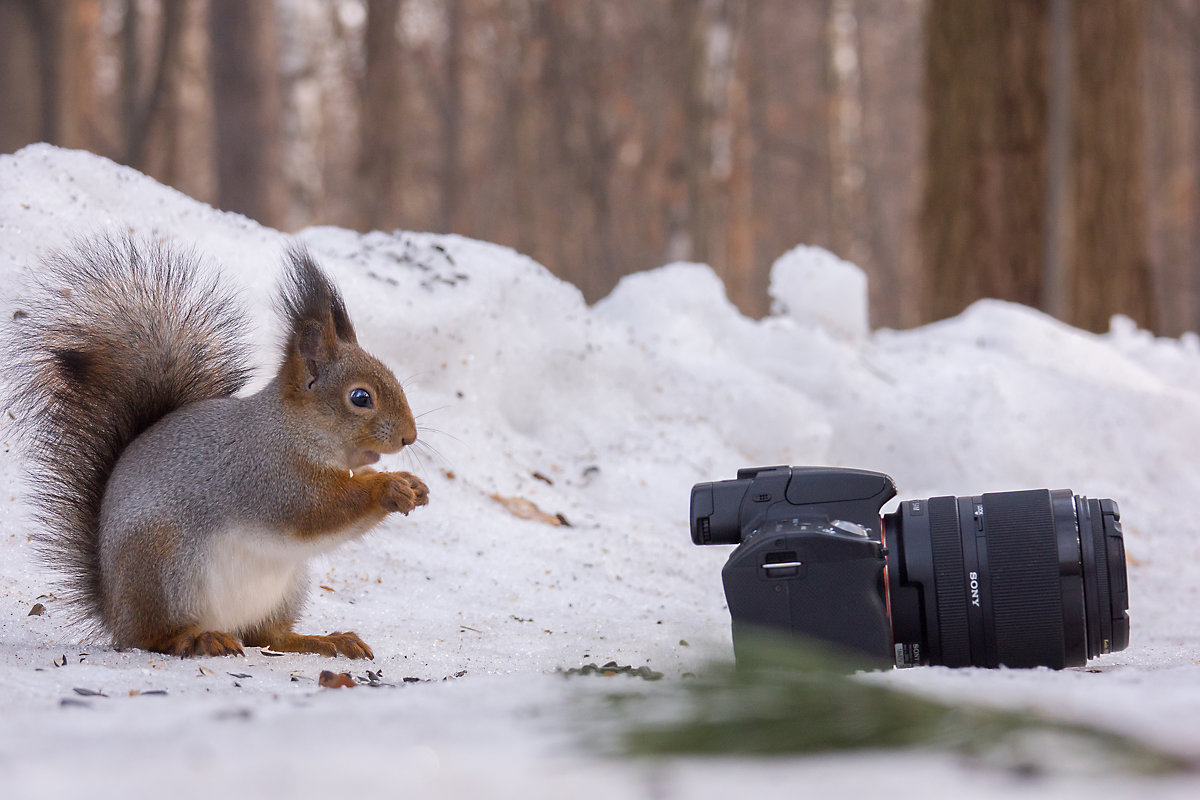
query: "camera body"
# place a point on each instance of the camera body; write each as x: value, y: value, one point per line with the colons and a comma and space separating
x: 810, y: 558
x: 1019, y: 579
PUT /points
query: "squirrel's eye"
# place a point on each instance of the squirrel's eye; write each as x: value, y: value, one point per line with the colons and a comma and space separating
x: 360, y: 398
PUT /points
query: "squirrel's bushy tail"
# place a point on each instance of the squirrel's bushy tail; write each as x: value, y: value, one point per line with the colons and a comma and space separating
x: 116, y: 334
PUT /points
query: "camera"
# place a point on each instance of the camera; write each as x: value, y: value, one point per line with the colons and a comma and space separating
x: 1016, y: 579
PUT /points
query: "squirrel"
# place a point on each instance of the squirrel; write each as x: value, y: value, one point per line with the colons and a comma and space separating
x: 183, y: 515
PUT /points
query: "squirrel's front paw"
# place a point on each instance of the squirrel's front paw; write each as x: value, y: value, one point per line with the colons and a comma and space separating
x: 403, y: 492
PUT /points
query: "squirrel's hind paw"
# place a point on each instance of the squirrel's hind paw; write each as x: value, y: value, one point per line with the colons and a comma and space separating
x: 347, y: 644
x: 206, y: 643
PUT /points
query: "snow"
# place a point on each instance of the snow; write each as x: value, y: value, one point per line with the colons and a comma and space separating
x: 606, y: 415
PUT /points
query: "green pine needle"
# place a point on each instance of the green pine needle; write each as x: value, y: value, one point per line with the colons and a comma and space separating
x: 784, y: 700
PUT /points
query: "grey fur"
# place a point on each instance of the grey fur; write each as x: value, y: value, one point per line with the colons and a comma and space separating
x: 231, y: 454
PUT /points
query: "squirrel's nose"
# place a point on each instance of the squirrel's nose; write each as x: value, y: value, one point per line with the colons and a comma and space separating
x: 408, y: 439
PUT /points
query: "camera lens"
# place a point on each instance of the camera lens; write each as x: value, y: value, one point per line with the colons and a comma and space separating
x: 1020, y: 579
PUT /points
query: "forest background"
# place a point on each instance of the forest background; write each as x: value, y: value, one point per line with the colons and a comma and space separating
x: 1043, y: 151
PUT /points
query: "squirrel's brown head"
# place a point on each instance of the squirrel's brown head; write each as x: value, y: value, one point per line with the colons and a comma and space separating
x: 351, y: 406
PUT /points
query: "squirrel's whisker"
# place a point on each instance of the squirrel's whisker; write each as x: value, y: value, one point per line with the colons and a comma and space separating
x: 431, y: 411
x: 427, y: 429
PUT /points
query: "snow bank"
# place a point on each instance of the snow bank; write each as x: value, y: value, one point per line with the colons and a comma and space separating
x: 605, y: 415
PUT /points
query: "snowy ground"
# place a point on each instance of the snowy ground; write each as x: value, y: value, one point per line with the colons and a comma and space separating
x: 606, y: 415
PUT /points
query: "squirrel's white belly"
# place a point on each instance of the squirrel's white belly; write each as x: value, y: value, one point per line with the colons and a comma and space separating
x: 250, y: 573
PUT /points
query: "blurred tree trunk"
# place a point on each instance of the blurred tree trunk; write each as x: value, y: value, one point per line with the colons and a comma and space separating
x: 144, y: 106
x: 716, y: 158
x: 1110, y: 269
x: 893, y: 125
x: 246, y: 107
x: 49, y: 74
x: 77, y: 25
x: 697, y: 158
x: 48, y: 30
x: 451, y: 115
x: 599, y: 145
x: 382, y: 118
x: 790, y: 153
x: 554, y: 93
x: 985, y: 91
x: 131, y: 69
x: 579, y: 95
x: 1056, y: 246
x: 1172, y: 132
x: 521, y: 113
x: 757, y: 79
x: 844, y: 129
x: 1190, y: 283
x: 24, y: 117
x: 180, y: 147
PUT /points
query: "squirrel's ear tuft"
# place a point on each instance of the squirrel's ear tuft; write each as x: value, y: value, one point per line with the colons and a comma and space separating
x: 308, y: 295
x: 313, y: 312
x: 313, y: 347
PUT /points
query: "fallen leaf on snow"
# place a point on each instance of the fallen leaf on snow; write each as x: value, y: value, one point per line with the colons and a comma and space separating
x: 524, y: 509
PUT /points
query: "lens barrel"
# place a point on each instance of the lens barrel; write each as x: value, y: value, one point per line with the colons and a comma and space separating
x: 1020, y: 579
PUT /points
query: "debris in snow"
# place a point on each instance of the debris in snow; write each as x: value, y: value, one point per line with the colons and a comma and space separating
x: 336, y: 680
x: 372, y: 678
x: 612, y: 669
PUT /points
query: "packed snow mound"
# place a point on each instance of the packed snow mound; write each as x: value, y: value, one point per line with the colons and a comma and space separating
x: 813, y: 286
x: 601, y: 416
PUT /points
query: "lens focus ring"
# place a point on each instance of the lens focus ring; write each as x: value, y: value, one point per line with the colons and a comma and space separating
x: 949, y: 573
